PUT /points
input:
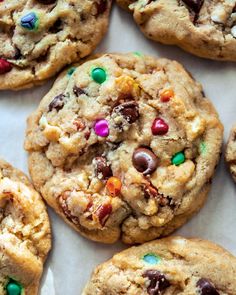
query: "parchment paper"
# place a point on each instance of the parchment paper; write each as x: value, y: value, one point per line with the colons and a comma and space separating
x: 73, y: 258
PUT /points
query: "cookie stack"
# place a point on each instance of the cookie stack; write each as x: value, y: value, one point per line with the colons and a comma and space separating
x: 122, y: 147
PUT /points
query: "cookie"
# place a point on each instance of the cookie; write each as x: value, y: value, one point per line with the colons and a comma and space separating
x: 40, y: 37
x: 25, y: 238
x: 125, y: 146
x: 230, y: 153
x: 173, y: 265
x: 204, y: 28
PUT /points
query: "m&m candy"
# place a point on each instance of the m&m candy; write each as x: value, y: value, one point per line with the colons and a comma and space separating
x: 178, y: 158
x: 99, y: 75
x: 30, y: 21
x: 159, y: 127
x: 5, y: 66
x: 151, y: 258
x: 166, y: 95
x: 13, y: 288
x: 101, y: 128
x: 114, y: 185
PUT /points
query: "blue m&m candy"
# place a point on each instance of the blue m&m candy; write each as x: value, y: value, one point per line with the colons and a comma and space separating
x: 30, y: 21
x: 151, y: 258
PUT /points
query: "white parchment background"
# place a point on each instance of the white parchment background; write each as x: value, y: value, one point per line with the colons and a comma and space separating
x: 73, y: 257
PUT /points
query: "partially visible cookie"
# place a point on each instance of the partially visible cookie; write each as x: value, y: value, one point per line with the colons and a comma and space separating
x: 39, y: 37
x: 169, y: 266
x: 230, y: 153
x: 204, y: 28
x: 124, y: 147
x: 25, y: 238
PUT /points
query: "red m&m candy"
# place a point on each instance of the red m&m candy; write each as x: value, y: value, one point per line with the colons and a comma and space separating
x: 159, y: 127
x: 5, y: 66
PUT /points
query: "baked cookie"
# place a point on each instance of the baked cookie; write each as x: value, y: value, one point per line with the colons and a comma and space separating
x: 204, y: 28
x: 125, y: 146
x: 24, y: 233
x: 169, y: 266
x: 230, y: 153
x: 39, y: 37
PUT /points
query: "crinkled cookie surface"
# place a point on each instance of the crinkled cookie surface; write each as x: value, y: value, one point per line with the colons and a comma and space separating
x: 125, y: 146
x: 25, y: 237
x: 230, y: 153
x: 206, y: 28
x: 169, y: 266
x: 39, y: 37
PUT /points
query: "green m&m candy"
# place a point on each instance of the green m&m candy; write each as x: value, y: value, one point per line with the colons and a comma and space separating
x: 99, y: 75
x: 13, y: 288
x: 178, y: 159
x: 151, y: 258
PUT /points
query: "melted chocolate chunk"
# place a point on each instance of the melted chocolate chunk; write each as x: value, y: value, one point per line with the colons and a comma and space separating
x: 78, y: 91
x: 57, y: 103
x: 206, y: 287
x: 102, y: 167
x: 158, y: 282
x: 129, y: 110
x: 145, y: 161
x: 195, y: 5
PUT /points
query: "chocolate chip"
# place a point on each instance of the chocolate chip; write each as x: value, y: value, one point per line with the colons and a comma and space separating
x: 101, y: 7
x: 145, y: 161
x: 57, y: 103
x: 195, y: 5
x: 78, y: 91
x: 158, y: 282
x: 206, y: 287
x: 102, y: 167
x: 129, y: 110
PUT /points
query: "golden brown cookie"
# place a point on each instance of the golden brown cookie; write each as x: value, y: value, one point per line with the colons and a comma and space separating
x: 204, y: 28
x: 39, y: 37
x: 126, y: 146
x: 25, y: 238
x: 169, y: 266
x: 230, y: 153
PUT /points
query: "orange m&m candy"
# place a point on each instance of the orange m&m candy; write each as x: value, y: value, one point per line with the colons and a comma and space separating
x: 114, y: 186
x: 166, y: 95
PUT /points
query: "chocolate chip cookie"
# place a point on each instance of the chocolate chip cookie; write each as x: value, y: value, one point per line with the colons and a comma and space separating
x: 24, y: 233
x: 230, y: 153
x: 40, y: 37
x: 173, y: 265
x: 125, y: 146
x: 204, y: 28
